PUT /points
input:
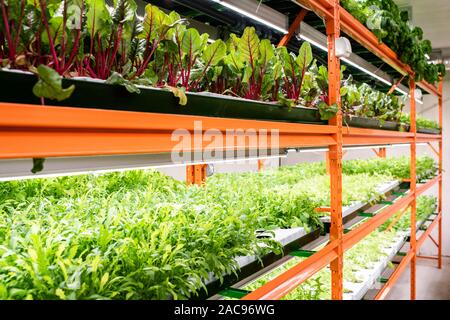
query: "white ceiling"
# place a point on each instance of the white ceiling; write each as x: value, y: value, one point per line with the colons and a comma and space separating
x: 433, y: 16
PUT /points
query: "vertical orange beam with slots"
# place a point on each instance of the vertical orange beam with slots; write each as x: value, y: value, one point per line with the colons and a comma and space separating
x: 196, y: 174
x: 260, y: 165
x: 413, y: 241
x: 335, y: 154
x: 441, y: 124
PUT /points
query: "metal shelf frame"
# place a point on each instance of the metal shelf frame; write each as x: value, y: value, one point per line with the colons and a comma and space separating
x: 33, y: 131
x: 337, y: 19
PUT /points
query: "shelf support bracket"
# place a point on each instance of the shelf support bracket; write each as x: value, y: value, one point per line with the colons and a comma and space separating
x: 433, y: 149
x: 433, y: 240
x: 260, y: 165
x: 294, y: 26
x: 395, y: 85
x: 381, y: 153
x: 196, y: 174
x: 397, y: 219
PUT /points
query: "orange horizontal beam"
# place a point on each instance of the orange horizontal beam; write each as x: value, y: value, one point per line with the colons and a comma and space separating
x: 432, y: 89
x: 291, y: 279
x: 31, y: 131
x: 405, y: 262
x: 394, y: 277
x: 360, y: 33
x: 360, y: 136
x: 322, y: 210
x: 428, y: 257
x: 426, y: 234
x: 421, y: 189
x: 366, y: 228
x: 322, y: 8
x: 421, y: 137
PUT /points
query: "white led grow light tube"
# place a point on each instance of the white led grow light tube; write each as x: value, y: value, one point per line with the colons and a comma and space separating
x: 406, y: 94
x: 367, y: 147
x: 373, y: 75
x: 257, y: 12
x: 56, y: 169
x: 313, y: 150
x: 346, y: 60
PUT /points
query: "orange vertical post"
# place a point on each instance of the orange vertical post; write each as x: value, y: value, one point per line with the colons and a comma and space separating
x: 327, y: 161
x: 196, y: 174
x: 413, y: 241
x: 441, y: 124
x: 260, y: 165
x: 335, y: 154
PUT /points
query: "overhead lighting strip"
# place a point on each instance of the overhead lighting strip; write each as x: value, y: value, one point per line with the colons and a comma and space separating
x: 257, y: 12
x: 278, y: 21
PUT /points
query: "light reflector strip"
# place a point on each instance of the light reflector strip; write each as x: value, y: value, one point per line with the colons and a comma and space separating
x: 241, y: 7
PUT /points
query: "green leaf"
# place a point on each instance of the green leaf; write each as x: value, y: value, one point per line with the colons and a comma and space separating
x: 179, y: 93
x: 249, y: 46
x: 214, y: 53
x: 124, y: 10
x: 104, y: 281
x: 305, y: 56
x: 284, y: 102
x: 118, y: 79
x: 277, y: 70
x: 266, y: 52
x: 154, y: 20
x: 98, y: 18
x: 49, y: 85
x: 247, y: 74
x: 327, y: 112
x: 60, y: 294
x: 74, y: 14
x: 191, y: 43
x: 38, y: 165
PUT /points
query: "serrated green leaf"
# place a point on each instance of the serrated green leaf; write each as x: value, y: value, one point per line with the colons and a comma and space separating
x: 49, y: 85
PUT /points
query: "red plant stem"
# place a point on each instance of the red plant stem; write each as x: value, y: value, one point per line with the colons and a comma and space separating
x: 12, y: 50
x: 116, y: 48
x: 43, y: 5
x: 63, y: 38
x: 146, y: 62
x: 92, y: 72
x: 19, y: 24
x: 73, y: 53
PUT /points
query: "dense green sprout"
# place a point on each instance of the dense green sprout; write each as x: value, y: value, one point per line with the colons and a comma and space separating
x: 392, y: 26
x: 143, y: 235
x: 421, y: 122
x: 361, y: 257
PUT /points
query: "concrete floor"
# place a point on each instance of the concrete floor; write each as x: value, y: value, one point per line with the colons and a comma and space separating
x: 432, y: 283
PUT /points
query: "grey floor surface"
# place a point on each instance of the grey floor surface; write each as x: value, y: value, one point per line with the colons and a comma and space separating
x: 432, y: 283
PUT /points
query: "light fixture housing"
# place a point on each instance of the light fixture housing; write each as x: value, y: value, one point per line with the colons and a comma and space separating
x: 343, y: 48
x: 258, y: 12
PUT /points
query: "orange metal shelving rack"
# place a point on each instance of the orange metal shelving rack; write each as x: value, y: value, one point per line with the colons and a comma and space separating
x: 337, y: 19
x: 31, y: 131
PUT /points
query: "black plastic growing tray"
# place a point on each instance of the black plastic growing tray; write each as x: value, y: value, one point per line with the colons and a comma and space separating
x: 428, y: 131
x: 369, y: 123
x: 17, y: 88
x: 216, y: 286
